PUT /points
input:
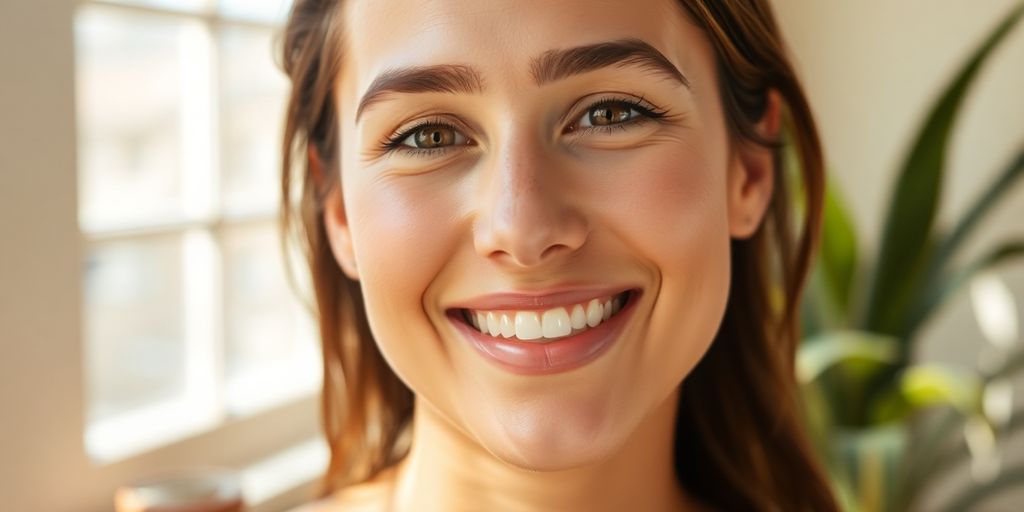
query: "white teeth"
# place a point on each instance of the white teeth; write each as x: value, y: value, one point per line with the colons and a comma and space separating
x: 528, y: 325
x: 493, y: 324
x: 579, y: 317
x: 553, y: 323
x: 508, y: 329
x: 556, y: 323
x: 594, y: 313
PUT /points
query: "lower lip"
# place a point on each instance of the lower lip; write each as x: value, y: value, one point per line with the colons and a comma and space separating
x: 565, y: 354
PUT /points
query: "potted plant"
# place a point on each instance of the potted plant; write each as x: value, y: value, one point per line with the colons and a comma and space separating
x: 888, y: 425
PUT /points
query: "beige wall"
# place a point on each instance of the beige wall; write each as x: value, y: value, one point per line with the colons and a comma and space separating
x: 39, y: 350
x: 872, y: 68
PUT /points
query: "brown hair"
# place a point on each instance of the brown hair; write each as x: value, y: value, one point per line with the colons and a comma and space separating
x: 740, y: 442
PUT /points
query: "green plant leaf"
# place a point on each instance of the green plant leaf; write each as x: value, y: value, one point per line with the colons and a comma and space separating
x: 927, y: 385
x: 822, y: 352
x: 930, y: 456
x: 941, y: 289
x: 912, y: 208
x: 981, y: 206
x: 866, y: 465
x: 841, y: 363
x: 923, y: 386
x: 818, y: 310
x: 924, y: 451
x: 976, y: 494
x: 1013, y: 364
x: 811, y: 316
x: 838, y: 250
x: 936, y: 459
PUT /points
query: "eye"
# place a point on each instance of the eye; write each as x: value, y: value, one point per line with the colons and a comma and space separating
x: 604, y: 115
x: 615, y: 114
x: 426, y: 138
x: 432, y: 136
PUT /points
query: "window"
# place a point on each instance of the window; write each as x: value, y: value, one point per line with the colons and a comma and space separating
x: 189, y: 318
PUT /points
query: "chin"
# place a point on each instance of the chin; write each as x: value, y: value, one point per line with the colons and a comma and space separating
x: 535, y: 440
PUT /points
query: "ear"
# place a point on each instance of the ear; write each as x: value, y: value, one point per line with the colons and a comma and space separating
x: 751, y: 177
x: 335, y: 221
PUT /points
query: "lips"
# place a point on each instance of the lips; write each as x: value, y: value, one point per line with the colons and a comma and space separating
x: 544, y: 334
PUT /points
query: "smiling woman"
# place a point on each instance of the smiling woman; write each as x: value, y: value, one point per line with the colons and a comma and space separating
x: 552, y: 252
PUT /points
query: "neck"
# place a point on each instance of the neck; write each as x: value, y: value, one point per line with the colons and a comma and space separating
x: 447, y: 470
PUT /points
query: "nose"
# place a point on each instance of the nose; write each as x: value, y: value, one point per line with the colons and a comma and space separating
x: 526, y: 213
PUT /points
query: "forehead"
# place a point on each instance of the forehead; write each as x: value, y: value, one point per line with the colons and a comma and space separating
x: 500, y: 37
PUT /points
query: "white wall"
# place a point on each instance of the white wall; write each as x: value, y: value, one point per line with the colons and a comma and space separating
x: 872, y: 68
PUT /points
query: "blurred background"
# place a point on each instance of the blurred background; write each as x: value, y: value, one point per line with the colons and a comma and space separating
x: 146, y: 325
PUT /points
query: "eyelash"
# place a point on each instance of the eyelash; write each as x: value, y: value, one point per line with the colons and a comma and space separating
x: 647, y: 112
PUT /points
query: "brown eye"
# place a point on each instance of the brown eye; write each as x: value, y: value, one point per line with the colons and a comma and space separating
x: 609, y: 114
x: 434, y: 136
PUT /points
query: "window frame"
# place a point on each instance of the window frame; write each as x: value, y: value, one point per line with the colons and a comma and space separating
x: 216, y: 438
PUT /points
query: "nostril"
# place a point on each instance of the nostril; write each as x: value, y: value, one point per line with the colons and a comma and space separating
x: 554, y: 250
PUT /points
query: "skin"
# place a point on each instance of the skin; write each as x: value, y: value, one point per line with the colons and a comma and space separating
x: 527, y: 206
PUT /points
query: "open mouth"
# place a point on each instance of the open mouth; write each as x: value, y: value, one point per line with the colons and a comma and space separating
x: 548, y: 325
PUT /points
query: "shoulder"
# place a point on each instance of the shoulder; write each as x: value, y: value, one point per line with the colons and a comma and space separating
x: 371, y: 496
x: 345, y: 502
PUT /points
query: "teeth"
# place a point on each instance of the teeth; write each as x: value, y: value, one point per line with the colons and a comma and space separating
x: 546, y: 325
x: 578, y: 318
x: 556, y: 323
x: 508, y: 329
x: 528, y: 325
x: 493, y: 324
x: 594, y: 313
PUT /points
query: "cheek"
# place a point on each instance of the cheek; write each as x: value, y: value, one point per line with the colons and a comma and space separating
x: 667, y: 202
x: 402, y: 234
x: 674, y: 217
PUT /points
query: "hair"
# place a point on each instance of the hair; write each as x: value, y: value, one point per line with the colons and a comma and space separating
x: 739, y: 439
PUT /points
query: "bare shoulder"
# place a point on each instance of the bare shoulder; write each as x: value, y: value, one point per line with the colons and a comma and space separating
x: 372, y: 496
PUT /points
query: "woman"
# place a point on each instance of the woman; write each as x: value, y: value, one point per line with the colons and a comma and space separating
x: 550, y: 243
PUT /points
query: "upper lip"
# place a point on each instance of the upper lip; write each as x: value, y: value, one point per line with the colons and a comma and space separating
x: 539, y: 300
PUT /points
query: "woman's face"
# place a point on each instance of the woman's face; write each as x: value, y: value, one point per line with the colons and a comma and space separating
x: 511, y: 161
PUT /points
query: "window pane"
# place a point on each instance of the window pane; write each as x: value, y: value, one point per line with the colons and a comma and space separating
x: 270, y: 11
x: 271, y: 354
x: 144, y: 118
x: 134, y: 324
x: 252, y: 103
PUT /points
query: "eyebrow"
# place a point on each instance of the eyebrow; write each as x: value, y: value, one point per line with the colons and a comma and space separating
x: 551, y: 66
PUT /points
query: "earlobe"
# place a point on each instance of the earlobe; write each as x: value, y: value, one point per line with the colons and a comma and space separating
x: 339, y: 236
x: 752, y: 174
